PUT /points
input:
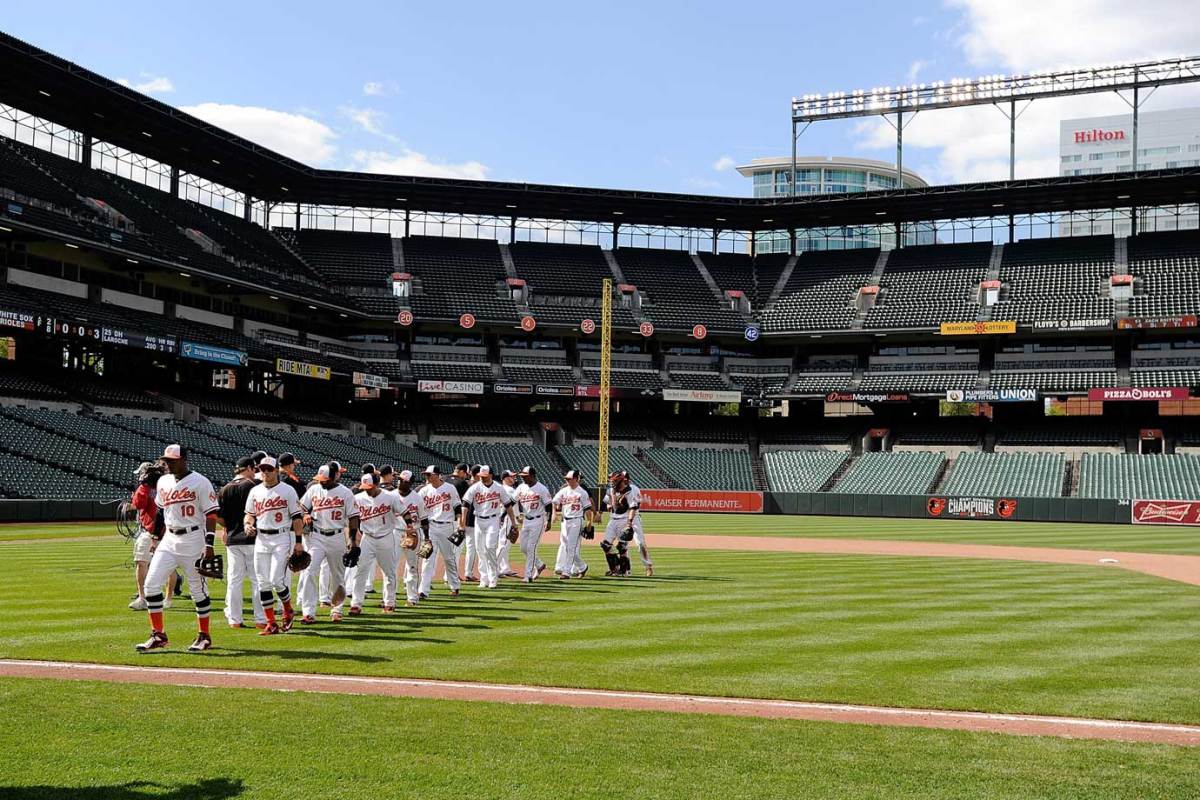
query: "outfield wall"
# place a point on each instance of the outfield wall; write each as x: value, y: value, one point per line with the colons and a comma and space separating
x: 56, y: 510
x: 921, y: 506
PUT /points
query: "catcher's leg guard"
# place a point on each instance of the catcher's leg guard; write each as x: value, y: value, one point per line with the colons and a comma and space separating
x: 614, y: 562
x: 623, y: 565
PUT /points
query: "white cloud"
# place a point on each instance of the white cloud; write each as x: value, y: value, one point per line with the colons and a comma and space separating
x: 410, y: 162
x: 295, y: 135
x: 150, y: 84
x: 724, y: 163
x: 369, y: 119
x: 914, y: 69
x: 971, y: 144
x: 698, y: 183
x: 374, y: 89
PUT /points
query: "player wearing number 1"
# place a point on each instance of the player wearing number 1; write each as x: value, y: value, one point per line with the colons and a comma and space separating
x: 189, y: 506
x: 274, y: 519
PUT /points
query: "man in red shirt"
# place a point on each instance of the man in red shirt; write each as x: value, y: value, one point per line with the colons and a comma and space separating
x: 143, y: 546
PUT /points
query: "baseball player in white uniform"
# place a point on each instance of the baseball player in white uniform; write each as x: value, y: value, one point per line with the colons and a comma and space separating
x: 534, y: 506
x: 508, y: 478
x: 442, y: 503
x: 490, y: 500
x: 331, y: 511
x: 189, y: 506
x: 464, y: 479
x: 414, y: 520
x: 274, y: 518
x: 379, y: 513
x: 624, y: 525
x: 573, y: 505
x: 366, y: 563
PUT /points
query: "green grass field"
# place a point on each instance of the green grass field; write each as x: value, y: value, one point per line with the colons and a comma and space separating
x: 963, y: 634
x: 138, y: 742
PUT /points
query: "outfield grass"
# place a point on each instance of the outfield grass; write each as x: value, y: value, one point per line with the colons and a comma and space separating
x: 20, y: 531
x: 953, y: 633
x: 197, y: 744
x: 1133, y: 538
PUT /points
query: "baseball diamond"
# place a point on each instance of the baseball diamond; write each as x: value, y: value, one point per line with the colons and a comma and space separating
x: 359, y: 440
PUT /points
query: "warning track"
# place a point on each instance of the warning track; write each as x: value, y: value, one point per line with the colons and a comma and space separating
x: 1016, y: 724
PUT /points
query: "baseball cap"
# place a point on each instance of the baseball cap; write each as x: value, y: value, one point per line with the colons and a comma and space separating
x: 405, y: 475
x: 528, y: 471
x: 245, y: 462
x: 508, y: 473
x: 268, y: 461
x: 432, y: 469
x: 475, y: 469
x: 174, y: 452
x: 287, y: 459
x: 572, y: 473
x: 323, y: 472
x: 368, y: 480
x: 258, y: 455
x: 461, y: 467
x: 368, y: 467
x: 386, y: 469
x: 483, y: 469
x: 335, y: 467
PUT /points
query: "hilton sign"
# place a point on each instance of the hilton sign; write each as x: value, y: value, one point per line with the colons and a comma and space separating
x: 1097, y: 135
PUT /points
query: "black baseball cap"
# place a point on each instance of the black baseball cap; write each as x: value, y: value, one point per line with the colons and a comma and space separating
x: 475, y: 469
x: 257, y: 456
x: 386, y: 469
x: 287, y: 459
x: 243, y: 463
x: 368, y: 467
x: 461, y: 468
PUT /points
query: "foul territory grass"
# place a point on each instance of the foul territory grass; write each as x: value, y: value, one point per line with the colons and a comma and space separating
x: 151, y: 742
x: 952, y: 633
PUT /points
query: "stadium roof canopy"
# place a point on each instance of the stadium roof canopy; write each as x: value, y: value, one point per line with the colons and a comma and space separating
x: 45, y: 85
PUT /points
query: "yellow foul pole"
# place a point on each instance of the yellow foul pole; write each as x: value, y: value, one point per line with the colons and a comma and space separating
x: 605, y: 376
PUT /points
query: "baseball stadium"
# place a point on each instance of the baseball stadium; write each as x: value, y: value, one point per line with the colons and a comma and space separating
x: 436, y: 486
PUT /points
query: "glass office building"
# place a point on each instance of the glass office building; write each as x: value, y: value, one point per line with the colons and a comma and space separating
x: 829, y: 175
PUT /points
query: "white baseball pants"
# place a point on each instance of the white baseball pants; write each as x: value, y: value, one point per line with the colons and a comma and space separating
x: 240, y: 568
x: 177, y: 551
x: 470, y: 557
x: 326, y: 551
x: 411, y: 563
x: 324, y: 590
x: 617, y: 524
x: 380, y: 550
x: 569, y: 560
x: 271, y: 551
x: 502, y: 548
x: 439, y: 533
x: 487, y: 539
x: 531, y: 536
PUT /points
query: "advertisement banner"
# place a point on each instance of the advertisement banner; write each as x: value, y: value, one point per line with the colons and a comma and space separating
x: 1166, y: 512
x: 1136, y: 393
x: 556, y: 391
x: 512, y: 388
x: 978, y: 328
x: 450, y: 387
x: 1184, y: 321
x: 701, y: 396
x: 696, y: 500
x: 867, y: 397
x: 287, y: 366
x: 1072, y: 324
x: 370, y: 381
x: 991, y: 395
x: 971, y: 507
x: 217, y: 355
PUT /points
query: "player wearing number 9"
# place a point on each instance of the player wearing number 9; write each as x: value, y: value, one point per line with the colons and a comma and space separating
x: 274, y: 518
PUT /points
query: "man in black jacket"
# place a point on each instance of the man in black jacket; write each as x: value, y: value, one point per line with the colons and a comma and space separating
x: 239, y: 548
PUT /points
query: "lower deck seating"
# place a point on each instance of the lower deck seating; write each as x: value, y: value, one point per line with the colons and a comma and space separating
x: 501, y: 457
x: 802, y: 470
x: 891, y: 473
x: 584, y: 459
x: 694, y: 468
x: 1014, y: 474
x: 1124, y: 476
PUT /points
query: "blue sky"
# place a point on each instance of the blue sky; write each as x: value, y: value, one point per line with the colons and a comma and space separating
x: 650, y: 95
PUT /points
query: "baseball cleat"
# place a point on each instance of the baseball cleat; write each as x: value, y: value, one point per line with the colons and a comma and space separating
x: 388, y: 609
x: 454, y: 592
x: 138, y: 604
x: 355, y: 611
x: 325, y: 604
x: 288, y: 619
x: 423, y: 596
x: 308, y: 620
x: 235, y: 625
x: 410, y: 604
x: 203, y: 642
x: 541, y: 568
x: 270, y: 629
x: 562, y: 576
x: 581, y: 573
x: 335, y: 617
x: 157, y: 641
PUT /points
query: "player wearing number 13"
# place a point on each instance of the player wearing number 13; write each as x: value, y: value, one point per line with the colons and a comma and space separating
x: 274, y: 518
x: 189, y: 506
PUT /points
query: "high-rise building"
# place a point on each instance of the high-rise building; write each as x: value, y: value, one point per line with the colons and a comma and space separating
x: 1097, y: 145
x: 829, y: 175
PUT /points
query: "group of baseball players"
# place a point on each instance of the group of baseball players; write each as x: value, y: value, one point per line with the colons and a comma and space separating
x: 274, y: 525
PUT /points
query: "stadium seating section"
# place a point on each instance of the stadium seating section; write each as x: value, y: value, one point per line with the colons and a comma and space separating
x: 1129, y: 477
x: 802, y: 470
x: 693, y: 468
x: 1055, y: 279
x: 1011, y: 474
x: 891, y: 473
x: 923, y: 286
x: 819, y: 294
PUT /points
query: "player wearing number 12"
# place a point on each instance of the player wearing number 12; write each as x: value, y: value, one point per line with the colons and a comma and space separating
x: 330, y: 507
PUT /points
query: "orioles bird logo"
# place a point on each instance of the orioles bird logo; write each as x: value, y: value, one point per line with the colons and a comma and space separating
x: 936, y: 506
x: 1006, y: 508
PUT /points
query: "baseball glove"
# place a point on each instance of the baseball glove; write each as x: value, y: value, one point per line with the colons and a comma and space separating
x: 588, y: 531
x: 627, y: 534
x: 409, y: 540
x: 513, y: 534
x: 350, y: 557
x: 339, y: 595
x: 457, y: 538
x: 298, y: 562
x: 212, y: 567
x: 425, y: 548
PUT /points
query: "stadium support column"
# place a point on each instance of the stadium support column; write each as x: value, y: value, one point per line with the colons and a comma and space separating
x: 899, y: 153
x: 1012, y: 158
x: 86, y: 153
x: 512, y: 229
x: 175, y: 182
x: 791, y: 241
x: 247, y: 201
x: 616, y: 232
x: 716, y: 235
x: 605, y: 383
x: 298, y: 219
x: 792, y: 182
